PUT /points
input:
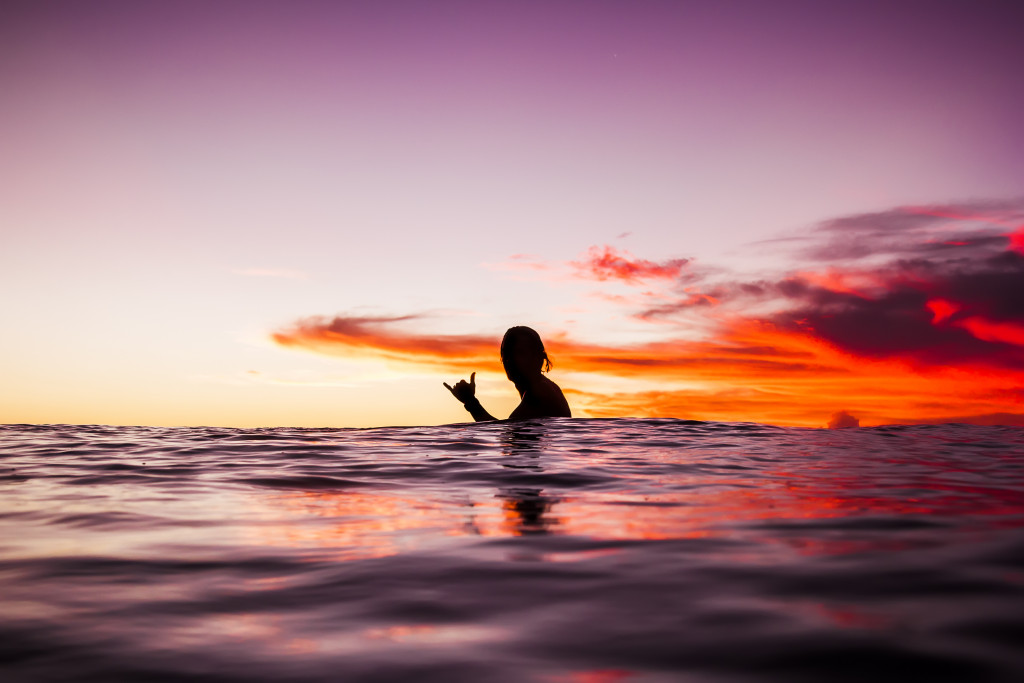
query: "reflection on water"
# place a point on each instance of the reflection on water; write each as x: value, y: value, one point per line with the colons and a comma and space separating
x: 575, y: 550
x: 352, y: 525
x: 709, y: 494
x: 526, y: 509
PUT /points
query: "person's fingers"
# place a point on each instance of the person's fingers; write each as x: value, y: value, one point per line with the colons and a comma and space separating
x: 446, y: 386
x: 472, y: 379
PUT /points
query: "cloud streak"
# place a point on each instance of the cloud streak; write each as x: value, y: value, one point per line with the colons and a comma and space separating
x: 384, y: 338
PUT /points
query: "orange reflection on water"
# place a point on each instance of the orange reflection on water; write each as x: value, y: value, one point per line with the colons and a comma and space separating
x: 274, y: 635
x: 790, y: 506
x: 358, y: 525
x: 432, y: 634
x: 354, y: 525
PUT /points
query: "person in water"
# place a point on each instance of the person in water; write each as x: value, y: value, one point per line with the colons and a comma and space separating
x: 525, y: 361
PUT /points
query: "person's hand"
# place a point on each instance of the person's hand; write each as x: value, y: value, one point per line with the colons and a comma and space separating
x: 464, y: 391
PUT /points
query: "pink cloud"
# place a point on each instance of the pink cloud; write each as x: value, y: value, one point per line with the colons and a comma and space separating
x: 607, y: 263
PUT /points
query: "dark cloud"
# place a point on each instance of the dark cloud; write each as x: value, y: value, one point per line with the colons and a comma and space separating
x: 901, y: 320
x: 971, y: 229
x: 944, y: 285
x: 843, y: 420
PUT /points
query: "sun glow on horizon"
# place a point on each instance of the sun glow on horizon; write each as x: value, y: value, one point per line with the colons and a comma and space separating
x: 701, y: 225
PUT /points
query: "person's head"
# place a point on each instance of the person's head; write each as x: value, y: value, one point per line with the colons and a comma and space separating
x: 523, y: 354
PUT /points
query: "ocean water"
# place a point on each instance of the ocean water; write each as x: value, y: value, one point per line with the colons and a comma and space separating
x: 559, y: 550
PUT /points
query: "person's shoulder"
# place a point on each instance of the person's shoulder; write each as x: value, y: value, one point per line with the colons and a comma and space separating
x: 554, y: 400
x: 542, y: 399
x: 545, y: 388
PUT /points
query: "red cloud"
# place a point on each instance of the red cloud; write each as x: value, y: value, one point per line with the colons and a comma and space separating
x: 606, y: 263
x: 962, y: 313
x: 603, y: 263
x: 1017, y: 241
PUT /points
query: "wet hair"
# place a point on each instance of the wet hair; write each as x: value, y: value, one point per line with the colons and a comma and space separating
x: 526, y: 338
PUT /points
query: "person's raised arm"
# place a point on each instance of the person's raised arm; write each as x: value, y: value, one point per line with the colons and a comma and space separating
x: 466, y: 392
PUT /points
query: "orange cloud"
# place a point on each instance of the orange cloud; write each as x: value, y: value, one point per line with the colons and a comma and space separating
x: 360, y: 336
x: 753, y: 371
x: 919, y: 329
x: 745, y: 348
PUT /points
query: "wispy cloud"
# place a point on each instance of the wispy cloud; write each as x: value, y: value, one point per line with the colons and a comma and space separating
x: 599, y: 263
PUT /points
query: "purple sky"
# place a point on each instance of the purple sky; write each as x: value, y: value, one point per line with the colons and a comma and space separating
x: 178, y: 179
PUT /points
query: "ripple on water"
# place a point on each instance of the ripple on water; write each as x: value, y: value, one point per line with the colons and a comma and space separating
x: 612, y: 549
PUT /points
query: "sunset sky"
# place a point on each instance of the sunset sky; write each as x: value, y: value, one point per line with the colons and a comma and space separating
x: 314, y: 213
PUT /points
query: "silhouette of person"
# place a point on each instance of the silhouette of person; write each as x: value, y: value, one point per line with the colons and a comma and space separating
x: 524, y: 358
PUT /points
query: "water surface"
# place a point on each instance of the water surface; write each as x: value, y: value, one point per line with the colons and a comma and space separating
x: 557, y: 550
